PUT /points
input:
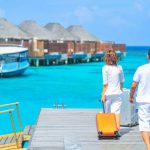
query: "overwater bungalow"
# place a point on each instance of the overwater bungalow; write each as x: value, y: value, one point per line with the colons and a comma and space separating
x: 39, y: 36
x: 12, y: 34
x: 53, y: 44
x: 86, y: 44
x: 119, y: 49
x: 64, y: 41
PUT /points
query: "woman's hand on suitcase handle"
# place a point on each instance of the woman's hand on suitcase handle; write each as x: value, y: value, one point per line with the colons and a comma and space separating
x: 103, y: 99
x: 131, y: 99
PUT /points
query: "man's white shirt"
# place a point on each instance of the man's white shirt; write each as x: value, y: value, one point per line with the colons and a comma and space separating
x: 142, y: 76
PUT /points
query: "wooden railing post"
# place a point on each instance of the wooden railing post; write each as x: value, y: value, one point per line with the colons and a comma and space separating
x: 13, y: 128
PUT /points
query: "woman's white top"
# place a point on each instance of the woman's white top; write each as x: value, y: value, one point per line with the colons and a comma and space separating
x: 112, y: 77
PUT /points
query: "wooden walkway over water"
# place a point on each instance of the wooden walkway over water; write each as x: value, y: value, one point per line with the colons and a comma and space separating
x: 75, y: 129
x: 8, y: 141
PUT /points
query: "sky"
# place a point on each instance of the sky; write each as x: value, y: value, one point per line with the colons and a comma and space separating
x: 120, y: 21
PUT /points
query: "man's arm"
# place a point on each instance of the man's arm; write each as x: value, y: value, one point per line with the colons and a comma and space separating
x: 132, y: 90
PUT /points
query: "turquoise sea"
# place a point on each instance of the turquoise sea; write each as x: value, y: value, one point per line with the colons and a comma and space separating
x: 77, y: 86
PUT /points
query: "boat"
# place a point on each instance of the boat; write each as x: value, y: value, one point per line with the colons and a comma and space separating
x: 13, y: 60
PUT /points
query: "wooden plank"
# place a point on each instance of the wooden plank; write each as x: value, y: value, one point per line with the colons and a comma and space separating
x: 31, y: 129
x: 9, y: 140
x: 3, y: 141
x: 19, y: 138
x: 9, y: 135
x: 55, y: 125
x: 27, y: 129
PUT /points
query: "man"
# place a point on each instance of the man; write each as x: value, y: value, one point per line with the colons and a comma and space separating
x: 142, y: 80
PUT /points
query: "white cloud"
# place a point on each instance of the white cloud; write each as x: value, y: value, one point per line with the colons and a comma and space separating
x: 142, y: 8
x: 2, y: 13
x: 139, y: 5
x: 84, y: 14
x: 111, y: 17
x: 118, y: 21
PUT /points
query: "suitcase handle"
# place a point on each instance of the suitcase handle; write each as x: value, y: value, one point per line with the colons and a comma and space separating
x: 103, y: 107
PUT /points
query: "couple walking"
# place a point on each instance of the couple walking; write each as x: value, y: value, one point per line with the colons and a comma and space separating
x: 113, y: 79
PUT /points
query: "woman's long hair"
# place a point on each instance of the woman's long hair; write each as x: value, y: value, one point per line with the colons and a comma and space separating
x: 111, y: 58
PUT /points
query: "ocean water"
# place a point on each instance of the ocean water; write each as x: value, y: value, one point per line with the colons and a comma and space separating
x: 76, y: 86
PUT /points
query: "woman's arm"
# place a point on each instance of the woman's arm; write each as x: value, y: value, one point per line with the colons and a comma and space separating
x: 105, y: 83
x: 103, y: 98
x: 121, y: 86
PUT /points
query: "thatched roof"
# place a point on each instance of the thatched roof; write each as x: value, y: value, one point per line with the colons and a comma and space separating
x: 51, y: 31
x: 36, y: 31
x: 9, y: 30
x: 81, y: 33
x: 60, y: 32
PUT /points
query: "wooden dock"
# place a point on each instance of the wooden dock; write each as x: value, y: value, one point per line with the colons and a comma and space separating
x: 8, y: 142
x: 75, y: 129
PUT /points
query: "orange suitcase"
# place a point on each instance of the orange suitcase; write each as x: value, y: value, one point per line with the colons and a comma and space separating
x: 106, y: 125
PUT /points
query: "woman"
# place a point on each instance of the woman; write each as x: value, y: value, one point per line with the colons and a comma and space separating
x: 113, y: 79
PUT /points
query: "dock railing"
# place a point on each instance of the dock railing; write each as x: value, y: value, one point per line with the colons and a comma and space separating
x: 16, y: 104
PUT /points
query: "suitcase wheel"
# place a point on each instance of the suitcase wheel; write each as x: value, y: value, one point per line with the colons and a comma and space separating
x: 130, y: 125
x: 116, y: 133
x: 117, y: 136
x: 100, y: 135
x: 99, y: 138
